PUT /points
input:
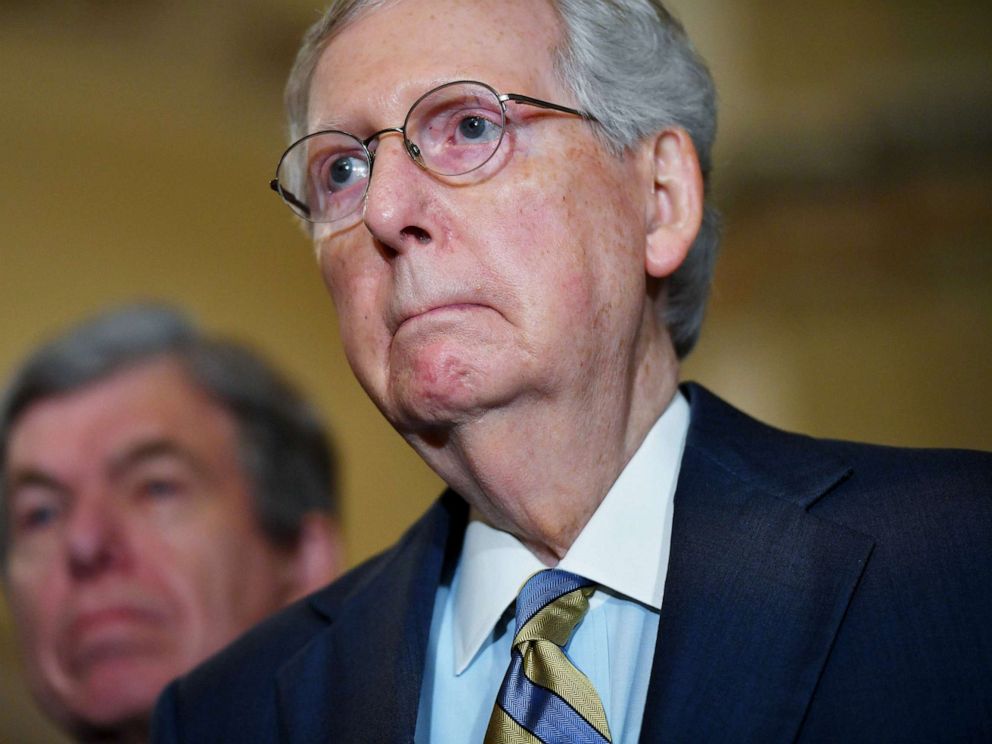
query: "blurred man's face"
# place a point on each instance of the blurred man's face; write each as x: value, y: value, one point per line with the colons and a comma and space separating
x: 456, y: 300
x: 134, y: 552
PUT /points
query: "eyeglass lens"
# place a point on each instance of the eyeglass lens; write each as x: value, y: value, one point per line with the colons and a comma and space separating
x: 451, y: 130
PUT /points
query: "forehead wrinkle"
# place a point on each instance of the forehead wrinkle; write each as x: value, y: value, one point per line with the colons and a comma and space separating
x: 371, y: 119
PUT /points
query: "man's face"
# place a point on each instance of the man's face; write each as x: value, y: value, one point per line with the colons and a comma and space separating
x: 529, y: 283
x: 133, y: 552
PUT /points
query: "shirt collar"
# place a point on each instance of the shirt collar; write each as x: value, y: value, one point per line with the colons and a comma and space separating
x: 623, y: 547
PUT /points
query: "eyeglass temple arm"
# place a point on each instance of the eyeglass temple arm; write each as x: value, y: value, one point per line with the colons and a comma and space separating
x: 288, y: 196
x: 521, y: 98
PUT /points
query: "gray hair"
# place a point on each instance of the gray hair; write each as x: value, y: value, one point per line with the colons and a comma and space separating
x: 631, y: 65
x: 283, y: 448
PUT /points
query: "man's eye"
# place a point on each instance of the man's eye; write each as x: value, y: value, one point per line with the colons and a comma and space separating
x: 478, y: 129
x: 345, y: 171
x: 161, y: 488
x: 37, y: 517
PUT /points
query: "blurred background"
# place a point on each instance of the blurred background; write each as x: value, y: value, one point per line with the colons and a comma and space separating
x: 853, y: 298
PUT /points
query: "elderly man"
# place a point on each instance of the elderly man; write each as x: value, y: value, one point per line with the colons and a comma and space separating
x: 162, y: 491
x: 508, y: 205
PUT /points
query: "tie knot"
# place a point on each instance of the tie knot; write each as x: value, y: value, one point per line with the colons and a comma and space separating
x: 550, y: 605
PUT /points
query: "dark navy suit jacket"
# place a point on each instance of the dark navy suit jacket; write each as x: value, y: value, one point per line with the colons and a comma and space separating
x: 818, y: 591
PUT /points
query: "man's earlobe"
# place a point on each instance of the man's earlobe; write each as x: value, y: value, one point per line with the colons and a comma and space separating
x: 675, y: 209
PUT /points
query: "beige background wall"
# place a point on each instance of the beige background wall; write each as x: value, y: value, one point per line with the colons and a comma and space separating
x: 853, y: 299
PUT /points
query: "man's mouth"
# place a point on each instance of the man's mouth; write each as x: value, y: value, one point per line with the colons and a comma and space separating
x: 108, y: 617
x: 439, y: 312
x: 110, y: 632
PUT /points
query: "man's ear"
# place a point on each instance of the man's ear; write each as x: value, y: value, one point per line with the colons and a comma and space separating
x: 675, y: 208
x: 318, y: 557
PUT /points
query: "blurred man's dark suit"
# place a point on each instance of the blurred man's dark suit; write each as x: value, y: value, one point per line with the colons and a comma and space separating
x: 818, y: 591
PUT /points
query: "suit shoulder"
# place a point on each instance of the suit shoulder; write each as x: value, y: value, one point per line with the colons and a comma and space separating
x: 208, y: 703
x: 929, y: 512
x: 915, y: 465
x: 948, y: 482
x: 785, y: 463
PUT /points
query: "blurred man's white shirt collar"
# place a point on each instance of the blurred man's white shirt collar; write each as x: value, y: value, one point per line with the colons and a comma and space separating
x: 624, y: 547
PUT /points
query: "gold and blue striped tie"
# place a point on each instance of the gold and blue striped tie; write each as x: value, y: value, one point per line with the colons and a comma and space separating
x: 543, y: 698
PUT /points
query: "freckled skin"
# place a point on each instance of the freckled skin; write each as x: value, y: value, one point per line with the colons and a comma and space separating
x: 544, y: 256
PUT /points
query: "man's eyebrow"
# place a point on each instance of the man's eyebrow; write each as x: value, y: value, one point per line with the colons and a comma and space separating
x: 154, y: 449
x: 33, y: 478
x: 329, y: 123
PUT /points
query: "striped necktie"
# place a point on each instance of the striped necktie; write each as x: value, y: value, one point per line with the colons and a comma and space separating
x: 543, y: 698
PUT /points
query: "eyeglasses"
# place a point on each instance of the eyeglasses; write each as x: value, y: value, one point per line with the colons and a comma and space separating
x: 451, y: 130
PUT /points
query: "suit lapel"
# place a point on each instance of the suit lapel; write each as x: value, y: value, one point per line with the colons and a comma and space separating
x: 370, y: 660
x: 757, y: 587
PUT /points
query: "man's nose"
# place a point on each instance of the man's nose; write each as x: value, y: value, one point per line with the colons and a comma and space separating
x: 95, y: 537
x: 396, y: 208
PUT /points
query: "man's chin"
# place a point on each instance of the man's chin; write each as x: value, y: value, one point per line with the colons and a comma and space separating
x: 115, y: 697
x: 440, y: 391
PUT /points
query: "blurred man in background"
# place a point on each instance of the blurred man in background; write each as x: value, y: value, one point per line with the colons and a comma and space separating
x: 162, y: 491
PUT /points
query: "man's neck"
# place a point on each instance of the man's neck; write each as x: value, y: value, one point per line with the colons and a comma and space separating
x: 130, y: 732
x: 539, y: 469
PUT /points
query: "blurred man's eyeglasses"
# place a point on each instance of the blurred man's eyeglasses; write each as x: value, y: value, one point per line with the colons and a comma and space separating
x: 451, y: 130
